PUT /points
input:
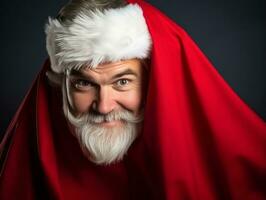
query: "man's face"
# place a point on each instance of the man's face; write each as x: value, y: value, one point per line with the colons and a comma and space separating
x: 109, y: 87
x: 109, y: 98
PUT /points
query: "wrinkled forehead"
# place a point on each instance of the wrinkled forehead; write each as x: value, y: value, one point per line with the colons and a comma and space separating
x: 132, y: 67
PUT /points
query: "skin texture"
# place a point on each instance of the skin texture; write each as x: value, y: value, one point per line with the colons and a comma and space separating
x: 109, y: 87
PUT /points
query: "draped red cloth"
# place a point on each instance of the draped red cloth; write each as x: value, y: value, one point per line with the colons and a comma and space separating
x: 200, y: 141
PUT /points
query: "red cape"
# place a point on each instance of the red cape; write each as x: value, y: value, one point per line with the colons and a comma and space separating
x: 199, y: 141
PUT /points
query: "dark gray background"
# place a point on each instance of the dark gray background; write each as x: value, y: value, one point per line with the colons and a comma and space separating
x: 231, y: 34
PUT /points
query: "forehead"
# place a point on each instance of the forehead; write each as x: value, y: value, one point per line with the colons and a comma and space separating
x: 131, y: 66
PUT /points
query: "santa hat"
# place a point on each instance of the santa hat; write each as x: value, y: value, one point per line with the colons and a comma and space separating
x: 96, y: 37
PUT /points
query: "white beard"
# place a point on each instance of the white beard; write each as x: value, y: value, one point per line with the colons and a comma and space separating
x: 105, y: 145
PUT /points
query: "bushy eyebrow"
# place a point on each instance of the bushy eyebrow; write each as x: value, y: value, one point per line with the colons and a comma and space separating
x: 116, y: 76
x: 125, y: 72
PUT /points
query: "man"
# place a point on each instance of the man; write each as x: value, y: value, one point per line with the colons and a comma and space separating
x: 103, y: 73
x: 131, y: 109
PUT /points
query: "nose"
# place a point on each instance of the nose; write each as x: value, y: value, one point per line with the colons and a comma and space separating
x: 105, y: 102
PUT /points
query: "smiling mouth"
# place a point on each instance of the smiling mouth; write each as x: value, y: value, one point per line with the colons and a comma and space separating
x: 110, y: 123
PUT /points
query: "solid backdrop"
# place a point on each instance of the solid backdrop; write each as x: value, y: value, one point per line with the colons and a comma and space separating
x: 230, y: 33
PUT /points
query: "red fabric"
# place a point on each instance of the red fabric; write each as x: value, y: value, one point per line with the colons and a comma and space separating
x: 199, y: 141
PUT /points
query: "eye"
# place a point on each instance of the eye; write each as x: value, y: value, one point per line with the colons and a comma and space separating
x: 82, y: 84
x: 122, y: 82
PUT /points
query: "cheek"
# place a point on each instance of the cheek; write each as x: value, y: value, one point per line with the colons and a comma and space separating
x: 132, y: 100
x: 82, y: 102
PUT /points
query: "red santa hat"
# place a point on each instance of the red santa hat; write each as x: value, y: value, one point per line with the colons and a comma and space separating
x: 95, y: 37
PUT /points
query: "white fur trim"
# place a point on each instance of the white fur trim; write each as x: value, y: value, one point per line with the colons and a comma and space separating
x: 94, y: 38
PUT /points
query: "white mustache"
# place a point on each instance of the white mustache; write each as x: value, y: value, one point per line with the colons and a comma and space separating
x: 113, y: 116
